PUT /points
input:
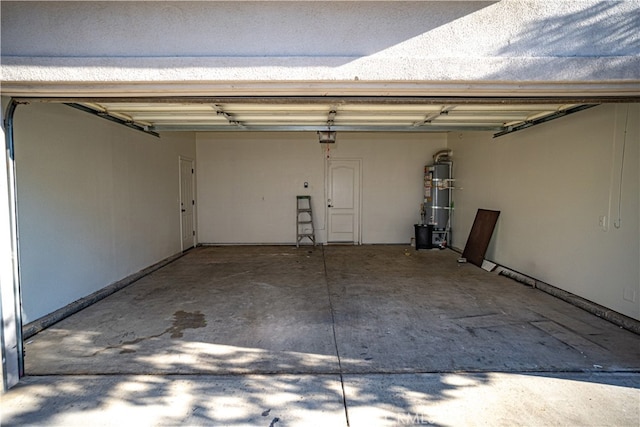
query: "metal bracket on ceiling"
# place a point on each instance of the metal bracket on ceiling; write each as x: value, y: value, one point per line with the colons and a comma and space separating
x: 331, y: 117
x: 232, y: 121
x: 328, y: 136
x: 105, y: 115
x: 533, y: 122
x: 431, y: 117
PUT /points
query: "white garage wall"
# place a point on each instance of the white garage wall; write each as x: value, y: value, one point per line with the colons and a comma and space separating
x: 392, y: 180
x: 552, y: 183
x: 247, y: 183
x: 97, y: 202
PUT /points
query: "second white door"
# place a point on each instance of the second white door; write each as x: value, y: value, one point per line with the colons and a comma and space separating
x: 187, y: 204
x: 343, y: 201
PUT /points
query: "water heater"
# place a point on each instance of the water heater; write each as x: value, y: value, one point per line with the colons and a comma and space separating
x: 437, y: 201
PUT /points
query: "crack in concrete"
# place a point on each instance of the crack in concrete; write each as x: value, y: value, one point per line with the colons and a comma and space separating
x: 181, y: 320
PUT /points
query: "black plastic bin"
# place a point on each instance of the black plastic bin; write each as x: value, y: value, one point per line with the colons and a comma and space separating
x: 424, y: 235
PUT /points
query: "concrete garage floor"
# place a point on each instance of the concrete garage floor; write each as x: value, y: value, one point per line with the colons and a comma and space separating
x: 336, y: 335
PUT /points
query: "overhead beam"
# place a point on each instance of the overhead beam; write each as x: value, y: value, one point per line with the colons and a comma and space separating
x: 337, y: 101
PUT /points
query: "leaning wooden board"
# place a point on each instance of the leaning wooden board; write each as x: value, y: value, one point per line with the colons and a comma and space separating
x: 480, y: 235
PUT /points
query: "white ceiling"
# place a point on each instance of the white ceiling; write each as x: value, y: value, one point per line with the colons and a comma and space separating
x: 313, y: 115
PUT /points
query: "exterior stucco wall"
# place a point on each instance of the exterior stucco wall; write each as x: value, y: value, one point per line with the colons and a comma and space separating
x: 440, y: 47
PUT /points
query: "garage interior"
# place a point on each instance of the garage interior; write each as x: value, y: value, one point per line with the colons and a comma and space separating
x: 155, y: 152
x: 245, y: 305
x: 234, y: 177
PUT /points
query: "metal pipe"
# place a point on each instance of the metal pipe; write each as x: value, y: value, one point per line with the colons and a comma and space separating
x: 442, y: 153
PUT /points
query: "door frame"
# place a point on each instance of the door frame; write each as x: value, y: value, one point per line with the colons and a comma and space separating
x: 11, y: 340
x: 193, y: 189
x: 327, y: 162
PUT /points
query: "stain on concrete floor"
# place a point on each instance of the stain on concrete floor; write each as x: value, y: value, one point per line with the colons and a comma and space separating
x: 184, y: 320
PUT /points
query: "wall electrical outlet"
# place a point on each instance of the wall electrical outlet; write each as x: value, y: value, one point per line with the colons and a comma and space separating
x: 630, y: 295
x: 602, y: 222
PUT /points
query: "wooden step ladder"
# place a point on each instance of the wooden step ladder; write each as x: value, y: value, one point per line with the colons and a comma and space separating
x: 304, y: 220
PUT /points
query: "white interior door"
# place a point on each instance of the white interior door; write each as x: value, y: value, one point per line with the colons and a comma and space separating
x: 343, y: 201
x: 187, y: 204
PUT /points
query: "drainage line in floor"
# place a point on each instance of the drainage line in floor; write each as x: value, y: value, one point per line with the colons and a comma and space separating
x: 335, y: 338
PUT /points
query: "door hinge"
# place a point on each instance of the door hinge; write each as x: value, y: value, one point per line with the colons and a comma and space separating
x: 192, y: 171
x: 194, y: 232
x: 193, y: 202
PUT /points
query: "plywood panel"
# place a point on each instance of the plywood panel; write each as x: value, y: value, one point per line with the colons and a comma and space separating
x: 480, y: 235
